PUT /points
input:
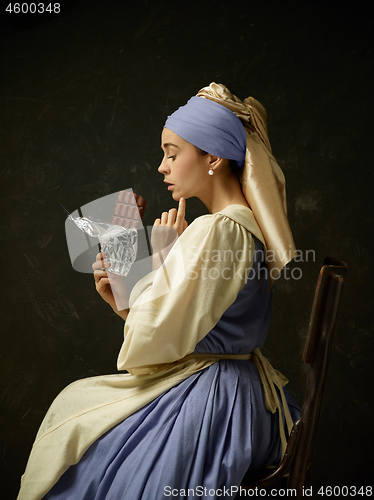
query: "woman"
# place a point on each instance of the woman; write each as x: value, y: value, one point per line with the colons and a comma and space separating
x: 199, y: 404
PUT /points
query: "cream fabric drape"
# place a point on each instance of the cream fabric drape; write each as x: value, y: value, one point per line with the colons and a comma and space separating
x: 262, y: 180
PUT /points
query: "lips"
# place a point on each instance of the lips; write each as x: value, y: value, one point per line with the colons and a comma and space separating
x: 169, y: 184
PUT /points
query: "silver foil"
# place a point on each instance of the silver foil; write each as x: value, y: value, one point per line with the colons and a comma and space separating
x: 117, y: 243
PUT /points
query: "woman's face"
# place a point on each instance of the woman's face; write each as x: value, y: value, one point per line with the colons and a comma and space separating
x: 183, y: 167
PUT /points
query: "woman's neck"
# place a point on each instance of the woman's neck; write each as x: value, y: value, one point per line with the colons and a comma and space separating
x: 225, y: 191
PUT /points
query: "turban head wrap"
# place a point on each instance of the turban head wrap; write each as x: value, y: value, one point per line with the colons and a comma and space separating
x: 262, y: 181
x: 210, y: 127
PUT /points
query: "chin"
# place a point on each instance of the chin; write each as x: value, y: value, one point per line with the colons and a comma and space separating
x: 178, y: 195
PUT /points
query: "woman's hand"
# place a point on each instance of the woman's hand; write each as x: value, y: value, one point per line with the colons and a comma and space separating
x: 174, y: 218
x: 166, y: 231
x: 110, y: 286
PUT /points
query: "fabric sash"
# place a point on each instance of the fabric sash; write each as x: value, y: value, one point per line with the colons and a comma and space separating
x: 270, y: 378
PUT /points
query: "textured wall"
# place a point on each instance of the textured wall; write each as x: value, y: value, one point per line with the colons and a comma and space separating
x: 83, y: 97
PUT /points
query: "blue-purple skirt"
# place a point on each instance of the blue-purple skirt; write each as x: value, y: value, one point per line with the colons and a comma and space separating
x: 203, y: 433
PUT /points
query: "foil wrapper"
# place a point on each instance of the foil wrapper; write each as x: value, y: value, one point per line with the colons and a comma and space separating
x: 117, y: 243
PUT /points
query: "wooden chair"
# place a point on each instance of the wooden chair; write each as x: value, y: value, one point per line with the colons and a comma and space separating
x: 294, y: 469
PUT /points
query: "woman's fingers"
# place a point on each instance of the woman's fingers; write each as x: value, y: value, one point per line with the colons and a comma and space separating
x: 180, y: 215
x: 181, y: 223
x: 98, y: 275
x: 174, y: 218
x: 171, y: 217
x: 101, y: 256
x: 102, y: 283
x: 100, y: 264
x: 164, y: 218
x: 111, y: 287
x: 167, y: 218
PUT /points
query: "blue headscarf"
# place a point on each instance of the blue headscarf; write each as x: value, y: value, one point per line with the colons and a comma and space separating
x: 210, y: 127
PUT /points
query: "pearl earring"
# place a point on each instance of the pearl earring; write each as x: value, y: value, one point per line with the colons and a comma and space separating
x: 211, y: 172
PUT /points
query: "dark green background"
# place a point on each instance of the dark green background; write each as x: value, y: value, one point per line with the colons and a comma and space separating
x: 83, y: 97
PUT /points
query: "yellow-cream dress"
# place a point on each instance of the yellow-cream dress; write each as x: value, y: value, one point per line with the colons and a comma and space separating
x: 171, y: 311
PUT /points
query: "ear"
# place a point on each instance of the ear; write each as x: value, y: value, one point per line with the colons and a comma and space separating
x: 214, y: 161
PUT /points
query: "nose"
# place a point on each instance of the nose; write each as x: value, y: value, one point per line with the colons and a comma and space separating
x: 163, y: 169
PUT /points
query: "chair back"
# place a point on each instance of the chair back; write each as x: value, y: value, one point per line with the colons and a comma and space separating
x: 317, y: 353
x: 294, y: 468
